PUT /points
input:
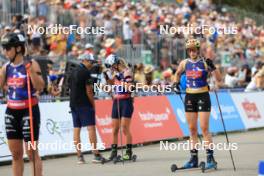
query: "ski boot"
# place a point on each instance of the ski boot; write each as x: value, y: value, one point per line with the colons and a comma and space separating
x: 128, y: 155
x: 211, y: 163
x: 193, y: 162
x: 113, y: 152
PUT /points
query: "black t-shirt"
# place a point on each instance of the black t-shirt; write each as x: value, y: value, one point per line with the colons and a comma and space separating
x: 80, y: 77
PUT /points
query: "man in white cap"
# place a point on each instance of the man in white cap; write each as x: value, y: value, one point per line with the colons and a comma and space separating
x: 83, y: 106
x: 89, y: 49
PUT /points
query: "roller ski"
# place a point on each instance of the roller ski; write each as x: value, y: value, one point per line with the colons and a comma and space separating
x: 191, y: 164
x: 98, y: 158
x: 112, y: 156
x: 127, y: 157
x: 210, y: 164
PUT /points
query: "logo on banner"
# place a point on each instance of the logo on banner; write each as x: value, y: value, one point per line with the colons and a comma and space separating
x: 105, y: 124
x: 53, y: 128
x: 181, y: 115
x: 2, y: 139
x: 251, y: 110
x: 154, y: 119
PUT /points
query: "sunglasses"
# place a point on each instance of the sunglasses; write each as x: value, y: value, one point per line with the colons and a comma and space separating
x: 192, y: 50
x: 7, y: 47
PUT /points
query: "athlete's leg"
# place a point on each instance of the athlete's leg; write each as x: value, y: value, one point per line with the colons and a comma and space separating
x: 125, y: 124
x: 115, y: 127
x: 204, y: 114
x: 204, y: 124
x: 30, y: 148
x: 16, y: 149
x: 191, y: 118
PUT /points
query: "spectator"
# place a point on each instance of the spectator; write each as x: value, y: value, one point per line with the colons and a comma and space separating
x: 231, y: 79
x: 127, y: 32
x: 139, y: 76
x: 257, y: 82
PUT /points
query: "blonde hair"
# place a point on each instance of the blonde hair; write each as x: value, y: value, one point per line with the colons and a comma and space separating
x: 261, y: 71
x: 123, y: 62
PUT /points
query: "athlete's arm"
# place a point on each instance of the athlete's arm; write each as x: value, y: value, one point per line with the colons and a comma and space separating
x: 108, y: 77
x: 179, y: 71
x: 36, y: 77
x: 128, y: 79
x: 215, y: 72
x: 217, y: 75
x: 2, y: 77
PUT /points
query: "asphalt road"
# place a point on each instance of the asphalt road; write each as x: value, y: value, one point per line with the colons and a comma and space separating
x: 153, y: 161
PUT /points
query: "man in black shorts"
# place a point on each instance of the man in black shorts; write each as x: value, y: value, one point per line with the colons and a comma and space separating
x: 83, y: 106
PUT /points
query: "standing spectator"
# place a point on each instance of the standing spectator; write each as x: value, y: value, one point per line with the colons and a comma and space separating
x: 89, y: 49
x: 83, y: 106
x: 127, y: 32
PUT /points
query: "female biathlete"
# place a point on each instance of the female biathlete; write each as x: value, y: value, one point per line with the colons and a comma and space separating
x: 123, y: 103
x: 197, y: 100
x: 13, y: 76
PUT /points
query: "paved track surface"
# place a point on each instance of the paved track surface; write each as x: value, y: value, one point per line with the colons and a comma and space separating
x: 153, y: 161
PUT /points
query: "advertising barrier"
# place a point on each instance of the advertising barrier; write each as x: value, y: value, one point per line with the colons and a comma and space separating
x: 251, y: 108
x: 155, y: 118
x: 231, y: 116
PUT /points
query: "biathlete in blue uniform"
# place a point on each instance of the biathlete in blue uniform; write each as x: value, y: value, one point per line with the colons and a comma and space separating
x: 197, y: 100
x: 13, y: 78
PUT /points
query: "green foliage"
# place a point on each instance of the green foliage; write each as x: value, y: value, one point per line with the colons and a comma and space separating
x: 250, y: 5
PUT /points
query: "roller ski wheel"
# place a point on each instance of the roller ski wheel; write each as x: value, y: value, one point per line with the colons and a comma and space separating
x: 106, y: 161
x: 134, y: 158
x: 174, y: 167
x: 207, y: 166
x: 117, y: 159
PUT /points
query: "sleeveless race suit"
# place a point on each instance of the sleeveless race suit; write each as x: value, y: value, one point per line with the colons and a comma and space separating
x: 197, y: 96
x: 122, y: 98
x: 17, y: 114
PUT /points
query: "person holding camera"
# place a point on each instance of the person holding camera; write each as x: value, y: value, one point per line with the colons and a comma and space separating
x: 82, y: 106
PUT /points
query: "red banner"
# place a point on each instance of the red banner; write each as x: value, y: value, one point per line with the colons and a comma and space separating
x: 153, y: 119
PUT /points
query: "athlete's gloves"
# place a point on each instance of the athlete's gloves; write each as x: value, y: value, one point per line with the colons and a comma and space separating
x: 107, y: 74
x: 210, y: 65
x: 118, y: 76
x: 176, y: 88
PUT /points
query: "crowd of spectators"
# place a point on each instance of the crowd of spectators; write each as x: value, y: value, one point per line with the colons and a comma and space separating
x: 129, y: 24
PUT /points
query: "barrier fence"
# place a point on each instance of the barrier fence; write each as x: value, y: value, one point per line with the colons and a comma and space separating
x: 150, y: 121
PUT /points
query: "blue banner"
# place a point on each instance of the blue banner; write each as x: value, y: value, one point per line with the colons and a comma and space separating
x: 231, y: 116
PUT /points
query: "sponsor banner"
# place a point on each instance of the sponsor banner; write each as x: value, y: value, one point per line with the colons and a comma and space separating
x: 104, y: 120
x: 251, y: 108
x: 230, y: 114
x: 153, y: 119
x: 56, y: 131
x: 5, y: 154
x: 150, y: 120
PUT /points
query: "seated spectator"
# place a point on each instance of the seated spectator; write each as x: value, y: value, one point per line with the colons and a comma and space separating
x: 257, y: 82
